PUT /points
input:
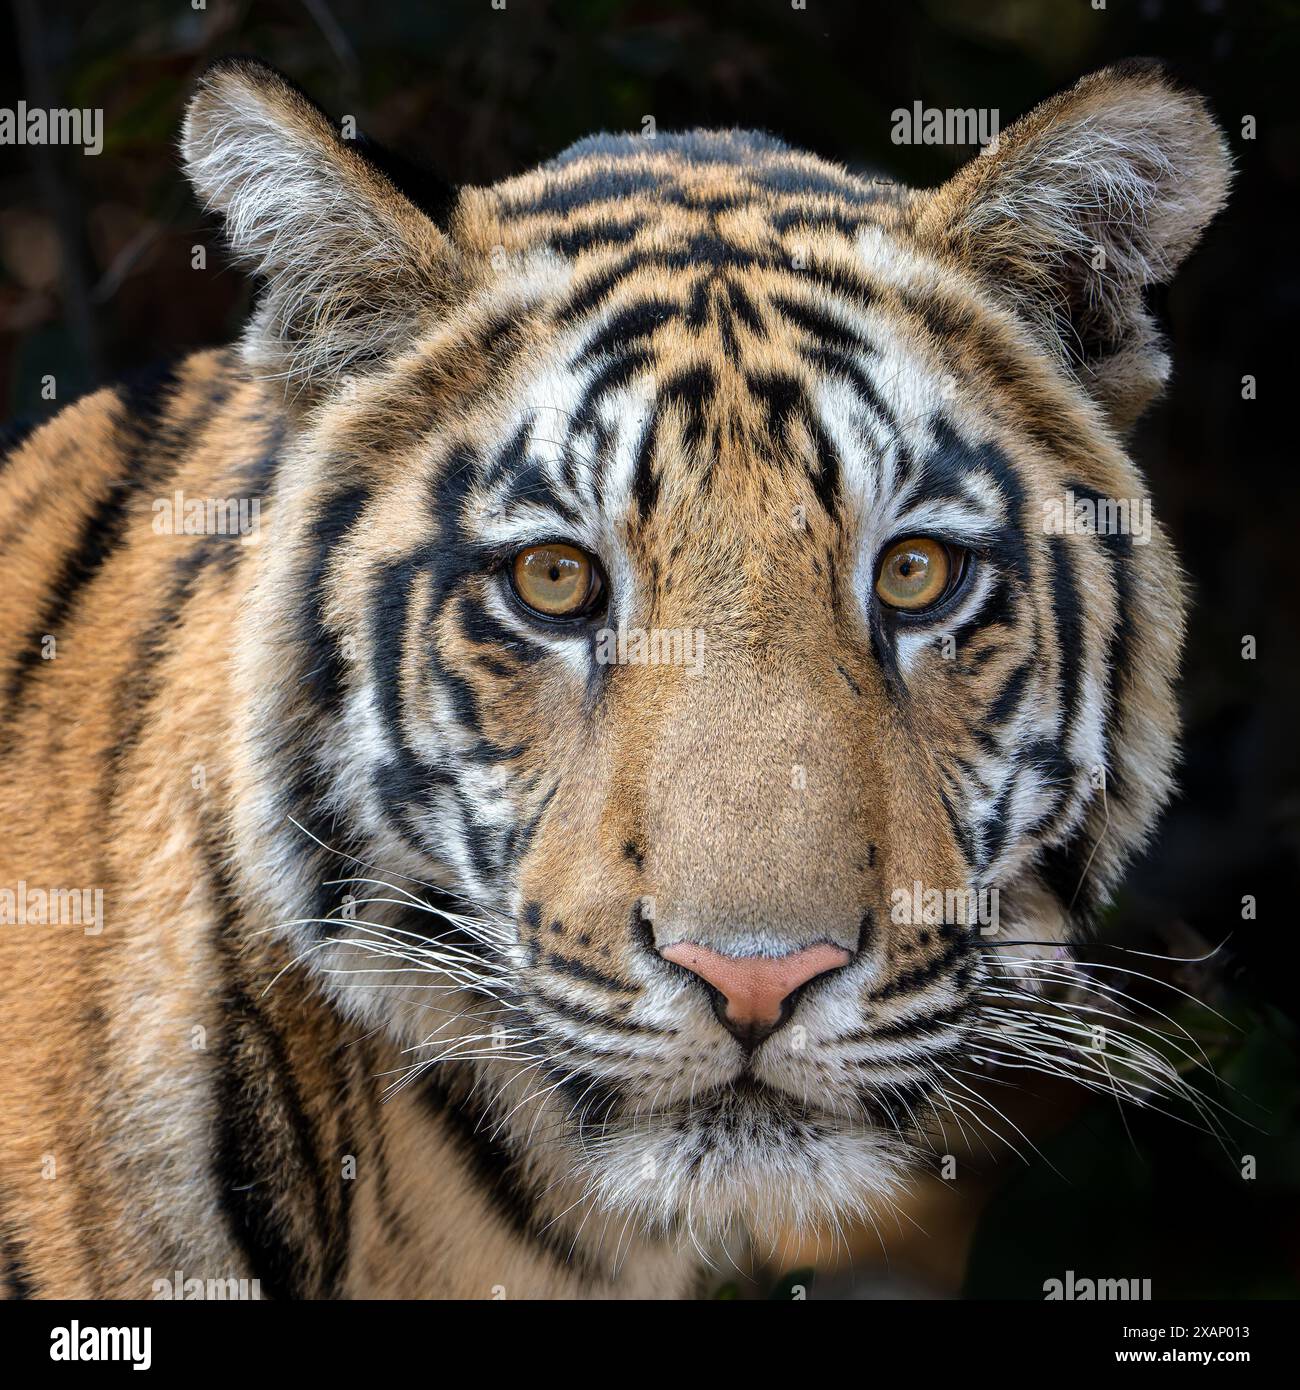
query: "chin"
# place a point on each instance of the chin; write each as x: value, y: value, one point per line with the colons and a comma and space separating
x: 744, y: 1161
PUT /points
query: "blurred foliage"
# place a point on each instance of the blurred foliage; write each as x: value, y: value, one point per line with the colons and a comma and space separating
x: 96, y: 278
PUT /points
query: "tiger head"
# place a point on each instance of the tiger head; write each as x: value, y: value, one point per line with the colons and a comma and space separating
x: 681, y: 629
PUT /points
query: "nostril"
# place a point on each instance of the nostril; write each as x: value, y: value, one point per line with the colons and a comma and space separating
x: 755, y: 988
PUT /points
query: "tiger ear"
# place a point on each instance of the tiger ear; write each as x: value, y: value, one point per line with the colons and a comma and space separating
x: 351, y: 266
x: 1080, y: 206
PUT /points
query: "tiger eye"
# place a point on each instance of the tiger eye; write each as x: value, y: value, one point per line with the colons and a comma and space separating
x: 914, y: 574
x: 555, y: 580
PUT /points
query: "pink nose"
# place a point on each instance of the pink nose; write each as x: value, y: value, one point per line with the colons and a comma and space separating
x: 755, y: 987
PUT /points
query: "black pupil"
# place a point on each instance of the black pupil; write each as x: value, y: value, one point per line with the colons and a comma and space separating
x: 555, y: 573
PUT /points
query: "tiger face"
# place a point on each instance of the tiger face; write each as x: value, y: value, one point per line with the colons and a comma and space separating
x: 678, y: 680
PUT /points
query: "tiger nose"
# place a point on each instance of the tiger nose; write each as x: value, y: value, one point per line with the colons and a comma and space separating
x: 754, y: 990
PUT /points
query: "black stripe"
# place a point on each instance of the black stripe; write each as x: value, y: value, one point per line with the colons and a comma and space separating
x: 996, y: 609
x: 321, y: 672
x: 824, y: 328
x: 1056, y: 773
x: 696, y: 313
x: 145, y: 466
x: 947, y: 320
x: 511, y: 1192
x: 580, y: 970
x: 814, y: 219
x: 14, y: 1264
x: 531, y: 485
x: 997, y: 826
x: 692, y: 389
x: 363, y: 1069
x: 486, y: 846
x: 796, y: 178
x: 838, y: 279
x: 1119, y: 550
x: 712, y: 254
x: 519, y: 838
x: 390, y: 602
x: 917, y: 1026
x: 617, y: 372
x: 959, y: 830
x: 743, y: 307
x: 628, y: 324
x: 826, y: 477
x: 783, y: 398
x: 597, y: 184
x: 645, y: 481
x: 1008, y: 698
x: 590, y: 1018
x: 449, y: 557
x: 834, y: 363
x: 481, y: 628
x: 700, y: 253
x: 1068, y: 613
x: 602, y: 232
x: 599, y: 1098
x: 510, y: 458
x: 261, y: 1180
x: 727, y: 330
x: 590, y: 194
x: 921, y: 975
x: 400, y: 789
x: 325, y: 668
x: 601, y: 454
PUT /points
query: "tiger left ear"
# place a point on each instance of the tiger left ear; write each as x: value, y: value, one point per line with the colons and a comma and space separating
x: 352, y: 268
x: 1080, y: 206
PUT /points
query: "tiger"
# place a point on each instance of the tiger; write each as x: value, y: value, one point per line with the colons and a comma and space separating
x: 475, y: 748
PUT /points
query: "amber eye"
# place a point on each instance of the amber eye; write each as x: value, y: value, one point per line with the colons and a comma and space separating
x: 914, y: 574
x: 556, y: 580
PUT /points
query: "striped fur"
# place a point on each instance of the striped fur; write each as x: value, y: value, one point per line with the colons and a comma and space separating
x: 376, y: 1008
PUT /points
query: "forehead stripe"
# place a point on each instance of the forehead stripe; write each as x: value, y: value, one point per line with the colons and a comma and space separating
x: 645, y: 481
x: 822, y: 326
x: 1070, y: 635
x: 628, y: 325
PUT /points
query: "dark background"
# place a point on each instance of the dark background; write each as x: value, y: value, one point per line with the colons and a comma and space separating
x: 95, y: 279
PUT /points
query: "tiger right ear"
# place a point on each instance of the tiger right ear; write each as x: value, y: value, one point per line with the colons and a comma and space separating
x: 1073, y: 212
x: 352, y: 267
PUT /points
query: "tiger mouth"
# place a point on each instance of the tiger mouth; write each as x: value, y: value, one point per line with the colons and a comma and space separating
x: 748, y: 1100
x: 745, y: 1113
